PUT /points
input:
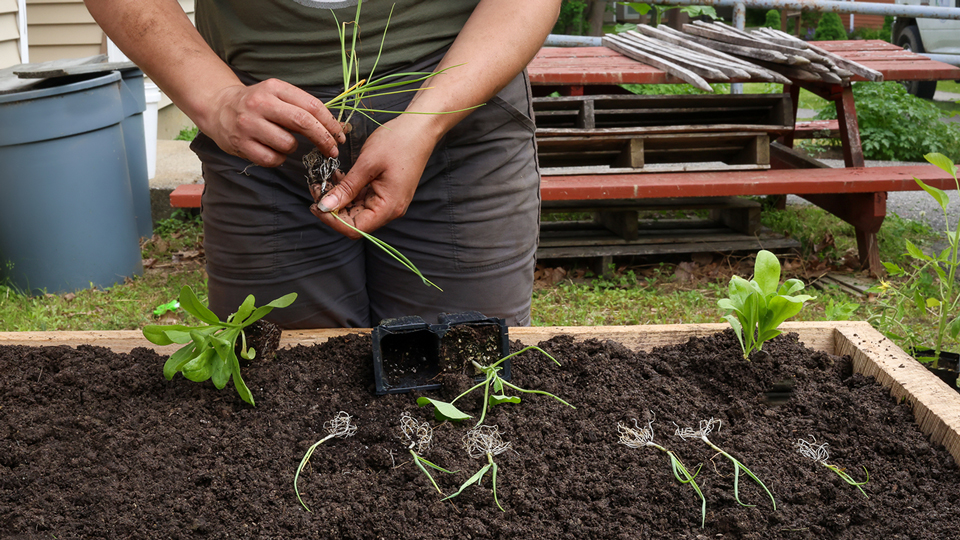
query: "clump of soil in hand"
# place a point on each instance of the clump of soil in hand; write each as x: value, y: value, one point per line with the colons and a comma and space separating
x: 99, y: 445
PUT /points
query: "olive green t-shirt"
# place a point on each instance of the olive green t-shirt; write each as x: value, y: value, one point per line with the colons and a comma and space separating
x: 285, y: 40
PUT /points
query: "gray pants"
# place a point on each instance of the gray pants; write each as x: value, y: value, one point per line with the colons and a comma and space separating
x: 472, y: 227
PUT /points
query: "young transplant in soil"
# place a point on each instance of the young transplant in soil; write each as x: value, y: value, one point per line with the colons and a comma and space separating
x: 210, y: 350
x: 419, y: 436
x: 339, y: 427
x: 706, y: 427
x: 819, y: 453
x: 756, y: 308
x: 638, y: 437
x: 493, y: 386
x: 479, y: 442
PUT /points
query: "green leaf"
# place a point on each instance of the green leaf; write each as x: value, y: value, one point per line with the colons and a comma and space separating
x: 244, y: 311
x: 192, y: 305
x: 497, y: 399
x: 954, y: 328
x: 892, y: 268
x: 639, y: 7
x: 263, y: 311
x: 943, y: 162
x: 932, y: 303
x: 915, y: 252
x: 443, y: 410
x: 475, y: 479
x: 178, y: 359
x: 200, y: 368
x: 767, y: 272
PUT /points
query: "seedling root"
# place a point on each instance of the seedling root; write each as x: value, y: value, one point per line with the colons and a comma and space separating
x: 339, y: 427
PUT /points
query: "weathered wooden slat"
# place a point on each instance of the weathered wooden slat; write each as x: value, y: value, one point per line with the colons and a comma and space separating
x: 669, y: 67
x: 668, y: 34
x: 685, y: 59
x: 854, y: 67
x: 741, y: 47
x: 739, y: 37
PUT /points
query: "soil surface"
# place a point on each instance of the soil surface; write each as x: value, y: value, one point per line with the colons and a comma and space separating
x: 98, y: 445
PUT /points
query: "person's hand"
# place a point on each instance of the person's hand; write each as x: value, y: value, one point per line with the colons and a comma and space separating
x: 255, y: 122
x: 381, y: 183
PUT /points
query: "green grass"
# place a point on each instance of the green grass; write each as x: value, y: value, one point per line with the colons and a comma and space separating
x: 949, y: 86
x: 807, y: 99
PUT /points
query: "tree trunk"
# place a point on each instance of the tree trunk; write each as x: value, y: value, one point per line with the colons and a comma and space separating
x: 597, y: 9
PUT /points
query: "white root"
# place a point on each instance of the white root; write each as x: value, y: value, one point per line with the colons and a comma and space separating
x: 341, y: 426
x: 810, y: 449
x: 419, y: 435
x: 636, y: 437
x: 706, y: 427
x: 484, y: 440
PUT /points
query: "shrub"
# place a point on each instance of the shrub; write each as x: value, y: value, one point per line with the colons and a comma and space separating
x: 830, y: 28
x: 897, y: 126
x: 772, y: 20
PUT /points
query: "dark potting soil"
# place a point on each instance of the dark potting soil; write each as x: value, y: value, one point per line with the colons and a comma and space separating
x: 98, y: 445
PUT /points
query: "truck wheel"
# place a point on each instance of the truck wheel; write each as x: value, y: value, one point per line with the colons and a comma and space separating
x: 910, y: 40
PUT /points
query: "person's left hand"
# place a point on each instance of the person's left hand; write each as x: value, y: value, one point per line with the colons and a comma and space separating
x: 381, y: 183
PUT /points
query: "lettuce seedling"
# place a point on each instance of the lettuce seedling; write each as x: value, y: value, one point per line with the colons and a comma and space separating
x: 210, y: 350
x: 819, y: 453
x: 757, y: 308
x: 493, y: 388
x: 638, y: 437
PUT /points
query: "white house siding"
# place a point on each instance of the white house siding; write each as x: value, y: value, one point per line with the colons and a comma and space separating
x: 9, y: 34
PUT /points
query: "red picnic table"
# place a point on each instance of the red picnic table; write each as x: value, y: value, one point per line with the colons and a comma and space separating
x: 858, y: 196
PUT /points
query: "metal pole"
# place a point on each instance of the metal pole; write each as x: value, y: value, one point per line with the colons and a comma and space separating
x: 740, y: 22
x: 862, y: 8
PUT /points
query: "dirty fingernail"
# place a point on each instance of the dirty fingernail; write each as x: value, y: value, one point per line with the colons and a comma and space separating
x: 327, y: 204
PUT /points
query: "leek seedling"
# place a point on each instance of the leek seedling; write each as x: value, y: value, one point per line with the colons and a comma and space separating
x: 492, y: 381
x: 483, y: 441
x: 706, y: 427
x: 820, y: 454
x: 351, y: 101
x: 419, y: 435
x: 340, y: 427
x: 640, y: 437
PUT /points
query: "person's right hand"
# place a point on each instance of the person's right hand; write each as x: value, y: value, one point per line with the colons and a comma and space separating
x: 255, y: 122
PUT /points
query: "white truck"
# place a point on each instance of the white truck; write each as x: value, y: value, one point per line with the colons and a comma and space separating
x: 937, y: 37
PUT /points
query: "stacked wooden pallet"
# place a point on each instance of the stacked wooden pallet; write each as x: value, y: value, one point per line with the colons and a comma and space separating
x: 718, y: 52
x: 627, y: 134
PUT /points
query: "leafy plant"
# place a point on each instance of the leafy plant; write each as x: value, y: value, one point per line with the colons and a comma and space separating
x: 340, y: 427
x: 897, y: 126
x: 419, y: 436
x: 819, y: 453
x: 643, y: 9
x: 493, y: 391
x: 830, y: 28
x: 756, y: 308
x: 479, y: 442
x: 945, y: 298
x: 706, y: 427
x: 772, y: 19
x: 840, y: 311
x: 638, y: 437
x: 210, y: 350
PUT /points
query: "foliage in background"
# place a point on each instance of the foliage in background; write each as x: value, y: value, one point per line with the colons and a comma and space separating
x: 772, y: 19
x: 943, y: 302
x: 895, y: 125
x: 884, y: 33
x: 187, y: 134
x: 572, y: 19
x: 830, y: 28
x: 693, y: 11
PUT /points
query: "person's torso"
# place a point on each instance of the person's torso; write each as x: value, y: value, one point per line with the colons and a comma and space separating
x: 301, y: 45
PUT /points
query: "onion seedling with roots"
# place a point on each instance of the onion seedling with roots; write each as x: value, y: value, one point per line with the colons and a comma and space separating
x: 483, y: 441
x: 640, y: 437
x: 340, y: 427
x: 419, y: 436
x: 493, y: 388
x: 706, y: 427
x: 820, y: 454
x: 320, y: 169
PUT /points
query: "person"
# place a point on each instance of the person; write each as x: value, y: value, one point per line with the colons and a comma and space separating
x: 452, y: 186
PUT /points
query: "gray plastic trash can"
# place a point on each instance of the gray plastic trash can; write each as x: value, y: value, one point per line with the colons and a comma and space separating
x: 134, y: 103
x: 66, y: 211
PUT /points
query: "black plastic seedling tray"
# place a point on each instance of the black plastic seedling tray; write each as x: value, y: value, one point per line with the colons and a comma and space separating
x: 410, y: 354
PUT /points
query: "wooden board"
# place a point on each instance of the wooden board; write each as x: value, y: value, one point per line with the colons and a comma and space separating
x: 935, y: 405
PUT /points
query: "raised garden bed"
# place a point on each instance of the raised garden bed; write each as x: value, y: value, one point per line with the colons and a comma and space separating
x: 94, y: 444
